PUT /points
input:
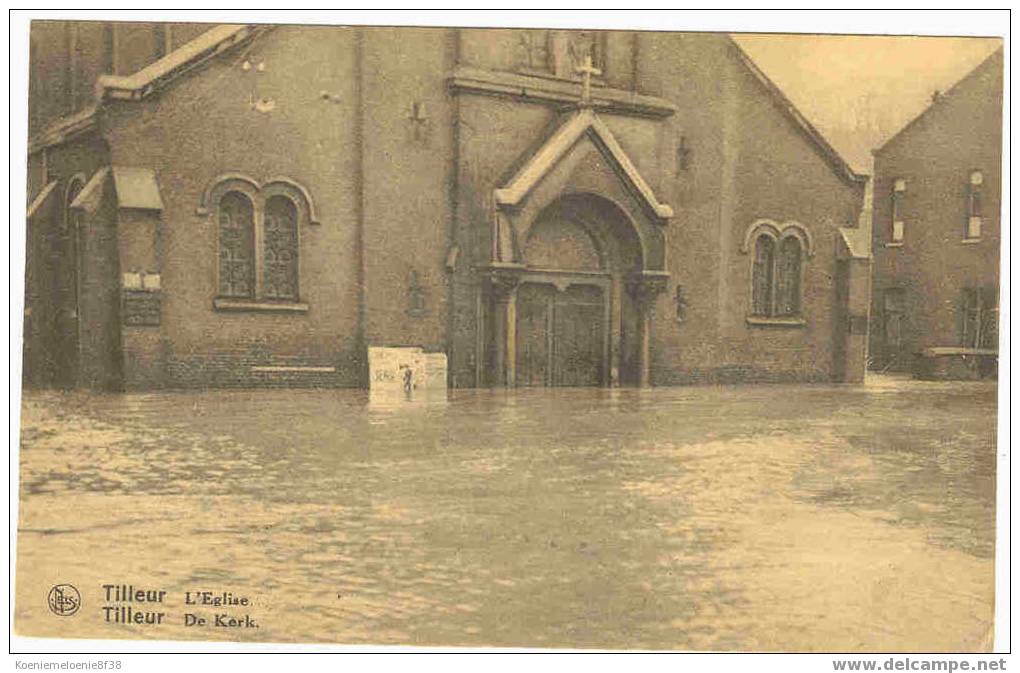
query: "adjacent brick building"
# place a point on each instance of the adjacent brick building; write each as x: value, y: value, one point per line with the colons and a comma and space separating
x: 256, y: 205
x: 935, y: 233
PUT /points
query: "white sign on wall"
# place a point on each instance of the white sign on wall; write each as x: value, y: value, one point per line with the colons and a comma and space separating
x: 405, y: 369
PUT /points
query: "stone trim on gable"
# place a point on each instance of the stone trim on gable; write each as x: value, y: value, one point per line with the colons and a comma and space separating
x: 585, y: 121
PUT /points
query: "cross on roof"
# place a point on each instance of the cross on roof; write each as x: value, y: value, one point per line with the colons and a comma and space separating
x: 586, y: 70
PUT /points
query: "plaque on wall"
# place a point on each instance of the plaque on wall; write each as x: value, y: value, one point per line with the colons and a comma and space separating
x: 140, y: 308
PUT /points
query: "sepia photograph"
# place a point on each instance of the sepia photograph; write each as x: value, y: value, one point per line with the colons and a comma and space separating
x: 478, y: 335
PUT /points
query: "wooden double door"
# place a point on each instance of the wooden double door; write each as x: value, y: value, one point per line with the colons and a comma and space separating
x: 561, y: 335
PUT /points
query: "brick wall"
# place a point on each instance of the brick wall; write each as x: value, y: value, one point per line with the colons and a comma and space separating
x: 935, y: 155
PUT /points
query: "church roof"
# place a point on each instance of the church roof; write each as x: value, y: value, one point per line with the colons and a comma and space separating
x: 148, y: 79
x: 215, y: 40
x: 835, y: 160
x: 144, y: 82
x: 584, y: 121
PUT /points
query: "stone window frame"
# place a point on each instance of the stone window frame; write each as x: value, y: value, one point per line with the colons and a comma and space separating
x: 777, y: 233
x: 897, y: 224
x: 974, y: 218
x: 258, y: 194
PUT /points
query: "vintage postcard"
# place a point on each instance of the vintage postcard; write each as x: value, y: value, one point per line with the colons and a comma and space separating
x: 484, y: 336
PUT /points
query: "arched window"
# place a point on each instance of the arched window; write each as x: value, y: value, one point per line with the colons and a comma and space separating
x: 72, y: 237
x: 260, y: 228
x: 74, y: 187
x: 777, y: 268
x: 280, y: 261
x: 788, y: 277
x: 236, y: 217
x: 764, y: 274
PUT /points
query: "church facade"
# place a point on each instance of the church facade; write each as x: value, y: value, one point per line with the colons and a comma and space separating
x: 258, y: 205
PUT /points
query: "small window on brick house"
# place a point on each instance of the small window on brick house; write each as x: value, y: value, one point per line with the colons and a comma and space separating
x: 237, y: 246
x: 974, y: 205
x: 896, y: 233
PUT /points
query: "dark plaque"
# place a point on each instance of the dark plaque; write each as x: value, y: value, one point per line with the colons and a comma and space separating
x: 141, y: 307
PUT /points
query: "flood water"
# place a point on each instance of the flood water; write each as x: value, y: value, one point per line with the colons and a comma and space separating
x: 706, y: 518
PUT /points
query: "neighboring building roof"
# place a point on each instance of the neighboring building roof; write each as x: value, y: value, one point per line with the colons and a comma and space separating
x: 582, y: 122
x: 838, y: 164
x: 941, y: 99
x: 40, y: 198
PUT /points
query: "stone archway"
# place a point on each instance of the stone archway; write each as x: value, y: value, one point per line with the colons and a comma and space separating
x: 566, y: 311
x: 576, y: 199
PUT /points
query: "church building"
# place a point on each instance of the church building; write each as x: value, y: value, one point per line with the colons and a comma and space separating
x: 255, y: 205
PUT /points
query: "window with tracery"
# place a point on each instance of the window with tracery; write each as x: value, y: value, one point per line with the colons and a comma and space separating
x: 788, y: 277
x: 764, y: 269
x: 776, y: 276
x: 280, y: 259
x: 259, y: 239
x: 237, y: 246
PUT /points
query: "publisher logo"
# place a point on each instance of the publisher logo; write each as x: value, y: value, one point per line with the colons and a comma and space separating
x: 64, y: 600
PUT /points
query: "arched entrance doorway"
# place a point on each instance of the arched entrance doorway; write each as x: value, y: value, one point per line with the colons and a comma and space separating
x: 578, y: 236
x: 564, y: 316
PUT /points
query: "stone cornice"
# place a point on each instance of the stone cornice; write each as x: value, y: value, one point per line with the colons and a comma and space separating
x: 557, y: 92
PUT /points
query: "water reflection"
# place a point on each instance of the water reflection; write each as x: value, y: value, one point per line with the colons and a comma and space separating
x: 768, y: 517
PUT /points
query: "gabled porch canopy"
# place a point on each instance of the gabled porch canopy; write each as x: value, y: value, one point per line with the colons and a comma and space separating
x: 583, y: 122
x: 604, y: 231
x: 134, y: 188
